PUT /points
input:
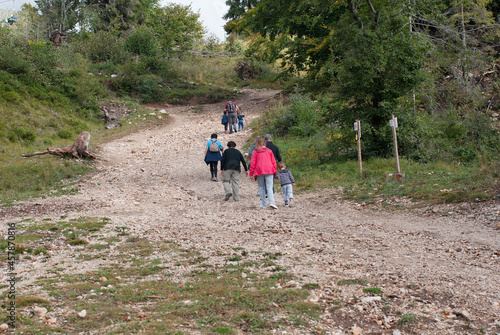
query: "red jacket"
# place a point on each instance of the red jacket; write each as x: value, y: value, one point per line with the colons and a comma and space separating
x: 263, y: 162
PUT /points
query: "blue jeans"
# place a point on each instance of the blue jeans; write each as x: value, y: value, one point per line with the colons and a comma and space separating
x: 265, y: 183
x: 287, y: 192
x: 241, y: 126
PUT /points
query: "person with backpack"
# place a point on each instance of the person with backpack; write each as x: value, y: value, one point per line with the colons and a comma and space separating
x: 213, y: 155
x: 224, y: 121
x: 230, y: 170
x: 232, y: 109
x: 241, y: 125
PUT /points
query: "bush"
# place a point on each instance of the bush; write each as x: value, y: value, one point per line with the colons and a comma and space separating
x: 102, y: 47
x: 21, y: 135
x: 301, y: 117
x: 142, y: 42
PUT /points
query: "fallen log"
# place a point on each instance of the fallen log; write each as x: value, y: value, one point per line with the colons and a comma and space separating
x: 79, y: 149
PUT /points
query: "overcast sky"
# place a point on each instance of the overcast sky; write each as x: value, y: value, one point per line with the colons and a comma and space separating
x: 211, y: 12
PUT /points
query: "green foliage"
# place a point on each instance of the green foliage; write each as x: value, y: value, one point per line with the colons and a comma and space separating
x: 21, y: 135
x: 176, y: 27
x: 301, y: 117
x: 374, y: 290
x: 142, y: 41
x: 102, y: 47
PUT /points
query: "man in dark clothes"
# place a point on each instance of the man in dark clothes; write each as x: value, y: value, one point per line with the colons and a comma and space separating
x: 230, y: 170
x: 274, y: 149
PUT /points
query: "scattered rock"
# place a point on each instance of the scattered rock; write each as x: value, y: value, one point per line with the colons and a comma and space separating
x: 291, y: 283
x: 40, y: 312
x: 356, y: 331
x: 4, y: 327
x: 369, y: 300
x: 83, y: 313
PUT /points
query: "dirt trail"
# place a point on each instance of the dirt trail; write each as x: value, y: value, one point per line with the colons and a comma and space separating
x: 444, y: 270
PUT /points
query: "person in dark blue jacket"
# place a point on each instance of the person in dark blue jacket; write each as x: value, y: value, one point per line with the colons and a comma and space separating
x: 225, y: 121
x: 213, y: 155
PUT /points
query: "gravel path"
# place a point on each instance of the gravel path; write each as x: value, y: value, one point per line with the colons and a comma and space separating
x: 444, y: 270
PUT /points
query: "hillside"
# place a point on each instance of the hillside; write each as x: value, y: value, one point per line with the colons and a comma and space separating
x: 148, y: 244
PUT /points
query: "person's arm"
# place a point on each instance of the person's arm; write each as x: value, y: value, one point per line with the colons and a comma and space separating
x: 278, y: 156
x: 221, y: 148
x: 273, y: 162
x: 291, y: 177
x: 252, y: 165
x: 242, y: 160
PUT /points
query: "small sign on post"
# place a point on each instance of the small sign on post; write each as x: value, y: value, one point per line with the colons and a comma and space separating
x: 394, y: 124
x: 357, y: 130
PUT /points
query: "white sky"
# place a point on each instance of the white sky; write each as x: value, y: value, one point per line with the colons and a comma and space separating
x: 211, y: 12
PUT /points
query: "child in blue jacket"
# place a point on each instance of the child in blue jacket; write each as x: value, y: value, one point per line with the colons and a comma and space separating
x: 241, y: 126
x: 225, y: 121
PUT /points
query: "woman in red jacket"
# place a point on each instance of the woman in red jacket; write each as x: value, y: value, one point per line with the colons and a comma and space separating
x: 263, y: 169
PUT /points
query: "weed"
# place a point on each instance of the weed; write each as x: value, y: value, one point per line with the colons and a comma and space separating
x: 374, y: 290
x: 40, y: 250
x: 405, y: 319
x: 310, y: 286
x: 358, y: 281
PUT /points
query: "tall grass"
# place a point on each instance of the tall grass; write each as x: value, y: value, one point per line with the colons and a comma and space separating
x: 429, y: 182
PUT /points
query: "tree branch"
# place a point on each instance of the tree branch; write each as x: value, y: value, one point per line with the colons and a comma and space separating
x: 354, y: 11
x: 373, y: 11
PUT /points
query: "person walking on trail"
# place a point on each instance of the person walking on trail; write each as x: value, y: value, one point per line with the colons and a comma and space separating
x: 263, y: 169
x: 230, y: 170
x: 252, y: 147
x: 273, y: 147
x: 241, y: 125
x: 232, y: 109
x: 287, y: 180
x: 225, y: 121
x: 213, y: 155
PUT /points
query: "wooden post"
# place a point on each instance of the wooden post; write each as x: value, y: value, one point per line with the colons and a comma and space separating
x: 398, y: 175
x: 357, y: 128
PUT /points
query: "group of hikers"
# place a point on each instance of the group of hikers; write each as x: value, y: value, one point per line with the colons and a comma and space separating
x: 265, y: 166
x: 232, y: 116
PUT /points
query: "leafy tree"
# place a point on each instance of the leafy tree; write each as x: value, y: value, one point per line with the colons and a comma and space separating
x: 237, y: 8
x: 177, y: 27
x: 59, y: 14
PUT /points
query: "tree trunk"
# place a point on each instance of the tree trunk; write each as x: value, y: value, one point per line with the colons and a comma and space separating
x: 79, y: 149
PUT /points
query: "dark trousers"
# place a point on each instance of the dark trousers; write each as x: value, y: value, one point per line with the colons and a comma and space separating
x: 213, y: 169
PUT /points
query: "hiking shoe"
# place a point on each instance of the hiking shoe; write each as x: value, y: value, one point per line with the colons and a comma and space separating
x: 273, y: 206
x: 291, y: 202
x: 286, y: 203
x: 228, y: 196
x: 215, y: 179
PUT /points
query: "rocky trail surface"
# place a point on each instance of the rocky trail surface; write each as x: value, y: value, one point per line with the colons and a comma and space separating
x: 427, y: 274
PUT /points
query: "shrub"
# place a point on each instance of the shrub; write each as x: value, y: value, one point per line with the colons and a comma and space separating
x: 102, y: 47
x: 142, y: 42
x: 21, y: 135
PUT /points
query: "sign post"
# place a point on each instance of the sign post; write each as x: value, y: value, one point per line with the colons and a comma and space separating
x: 357, y: 129
x: 394, y: 124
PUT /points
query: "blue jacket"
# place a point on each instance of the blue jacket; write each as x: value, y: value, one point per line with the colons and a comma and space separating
x: 224, y: 119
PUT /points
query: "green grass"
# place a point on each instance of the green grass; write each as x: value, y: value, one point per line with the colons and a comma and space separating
x: 216, y: 300
x: 373, y: 290
x: 357, y: 281
x: 436, y: 182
